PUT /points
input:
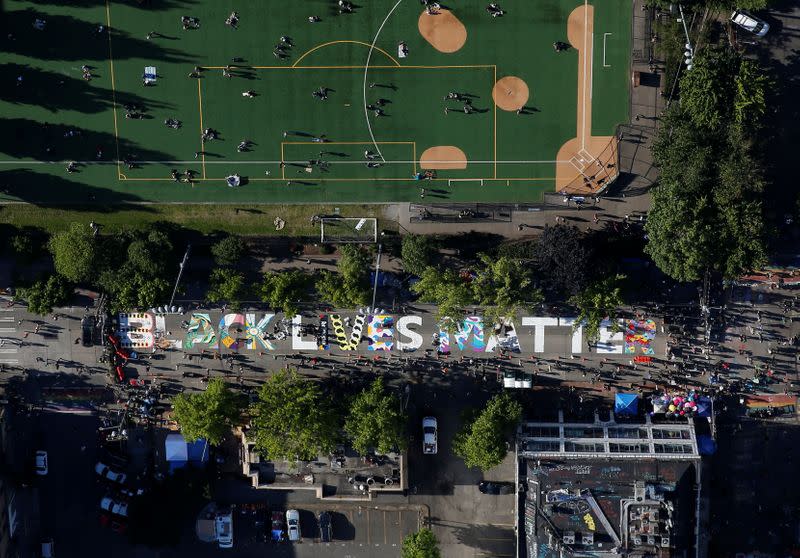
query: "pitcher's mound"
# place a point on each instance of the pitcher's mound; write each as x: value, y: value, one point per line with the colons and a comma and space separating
x: 443, y: 31
x: 510, y: 93
x: 443, y: 157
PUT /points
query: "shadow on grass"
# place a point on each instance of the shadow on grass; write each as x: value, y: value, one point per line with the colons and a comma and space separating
x: 48, y: 190
x: 56, y: 92
x: 69, y: 38
x: 25, y: 138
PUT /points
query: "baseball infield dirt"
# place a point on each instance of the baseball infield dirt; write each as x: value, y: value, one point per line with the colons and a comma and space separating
x: 583, y: 162
x: 443, y: 157
x: 444, y: 31
x: 510, y: 93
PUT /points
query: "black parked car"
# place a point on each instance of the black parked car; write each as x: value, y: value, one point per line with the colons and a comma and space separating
x: 496, y: 487
x: 87, y: 331
x: 325, y: 530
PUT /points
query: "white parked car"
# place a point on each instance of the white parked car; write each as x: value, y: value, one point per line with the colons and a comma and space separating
x: 114, y: 506
x: 224, y: 528
x: 750, y: 23
x: 41, y: 463
x: 430, y: 432
x: 107, y: 473
x: 293, y: 524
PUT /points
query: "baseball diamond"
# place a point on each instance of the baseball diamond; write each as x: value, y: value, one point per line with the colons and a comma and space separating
x: 296, y: 102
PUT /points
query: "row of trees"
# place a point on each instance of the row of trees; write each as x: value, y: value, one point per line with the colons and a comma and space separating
x: 707, y: 211
x: 293, y: 418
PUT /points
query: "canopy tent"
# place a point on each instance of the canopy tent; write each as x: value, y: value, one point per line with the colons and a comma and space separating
x: 179, y: 453
x: 626, y: 404
x: 704, y: 406
x: 706, y: 445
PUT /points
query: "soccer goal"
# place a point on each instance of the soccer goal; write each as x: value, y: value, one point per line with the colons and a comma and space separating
x: 348, y: 229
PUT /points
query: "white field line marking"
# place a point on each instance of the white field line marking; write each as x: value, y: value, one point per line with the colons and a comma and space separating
x: 605, y: 35
x: 304, y: 162
x: 366, y: 71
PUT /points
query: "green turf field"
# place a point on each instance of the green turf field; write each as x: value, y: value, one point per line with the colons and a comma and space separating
x: 53, y: 115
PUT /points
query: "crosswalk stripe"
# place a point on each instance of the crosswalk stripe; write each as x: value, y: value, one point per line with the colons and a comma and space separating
x: 9, y: 361
x: 8, y: 351
x: 7, y: 329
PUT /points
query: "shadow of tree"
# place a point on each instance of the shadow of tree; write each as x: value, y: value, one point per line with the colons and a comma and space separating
x: 488, y: 538
x: 68, y: 38
x: 49, y: 190
x: 144, y: 4
x: 55, y: 92
x: 25, y: 138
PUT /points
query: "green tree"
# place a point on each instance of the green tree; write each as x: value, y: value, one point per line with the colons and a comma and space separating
x: 561, y: 259
x: 374, y: 420
x: 597, y: 302
x: 44, y: 295
x: 416, y: 251
x: 753, y: 86
x: 129, y: 288
x: 292, y: 419
x: 283, y: 290
x: 226, y: 285
x: 422, y: 544
x: 229, y: 250
x: 447, y: 290
x: 209, y: 414
x: 707, y: 90
x: 482, y: 441
x: 503, y: 286
x: 74, y: 251
x: 350, y: 287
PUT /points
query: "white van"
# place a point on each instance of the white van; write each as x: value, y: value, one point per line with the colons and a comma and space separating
x: 224, y: 529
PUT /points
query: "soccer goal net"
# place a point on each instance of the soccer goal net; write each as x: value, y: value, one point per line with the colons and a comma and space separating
x: 348, y: 229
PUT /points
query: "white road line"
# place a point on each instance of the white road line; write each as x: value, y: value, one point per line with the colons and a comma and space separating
x: 8, y: 351
x: 7, y: 309
x: 605, y: 35
x: 7, y: 319
x: 9, y: 361
x: 8, y: 329
x: 366, y: 71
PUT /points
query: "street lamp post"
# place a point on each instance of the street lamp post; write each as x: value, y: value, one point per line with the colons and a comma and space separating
x: 180, y: 273
x: 377, y: 271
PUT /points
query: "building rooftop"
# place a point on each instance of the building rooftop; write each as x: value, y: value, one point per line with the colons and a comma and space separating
x: 609, y: 489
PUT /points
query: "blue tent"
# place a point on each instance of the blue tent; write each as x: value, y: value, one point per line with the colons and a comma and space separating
x: 706, y: 445
x: 626, y: 404
x: 703, y: 406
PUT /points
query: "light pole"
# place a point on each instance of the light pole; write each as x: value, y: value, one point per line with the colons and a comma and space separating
x: 180, y: 272
x: 377, y: 271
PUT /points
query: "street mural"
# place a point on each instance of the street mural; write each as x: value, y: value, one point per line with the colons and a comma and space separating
x: 640, y: 333
x: 381, y: 332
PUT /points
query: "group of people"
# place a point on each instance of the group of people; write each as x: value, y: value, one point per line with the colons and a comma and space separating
x: 188, y: 22
x: 466, y: 108
x: 280, y: 50
x: 178, y: 177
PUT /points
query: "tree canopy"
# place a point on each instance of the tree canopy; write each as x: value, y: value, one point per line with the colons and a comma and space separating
x: 283, y: 290
x: 292, y: 419
x: 500, y: 284
x: 482, y: 439
x: 74, y: 252
x: 706, y: 212
x: 562, y: 259
x: 350, y: 287
x: 209, y: 414
x: 597, y: 302
x: 422, y: 544
x: 375, y: 421
x: 44, y: 295
x: 416, y: 251
x: 226, y: 285
x: 229, y: 250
